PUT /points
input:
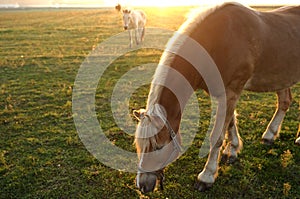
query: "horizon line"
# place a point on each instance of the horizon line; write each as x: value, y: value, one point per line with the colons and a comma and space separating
x: 16, y: 6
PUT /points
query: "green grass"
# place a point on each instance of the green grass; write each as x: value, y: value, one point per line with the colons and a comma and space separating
x: 41, y: 155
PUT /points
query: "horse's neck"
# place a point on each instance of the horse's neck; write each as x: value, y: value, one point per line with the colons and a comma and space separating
x: 171, y: 90
x: 162, y: 102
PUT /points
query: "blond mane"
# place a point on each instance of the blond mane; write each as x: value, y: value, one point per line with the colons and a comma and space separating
x: 197, y: 15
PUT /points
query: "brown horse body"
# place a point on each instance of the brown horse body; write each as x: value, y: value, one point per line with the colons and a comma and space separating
x: 256, y: 51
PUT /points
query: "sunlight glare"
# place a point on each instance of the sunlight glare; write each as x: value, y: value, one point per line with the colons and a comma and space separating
x: 169, y: 3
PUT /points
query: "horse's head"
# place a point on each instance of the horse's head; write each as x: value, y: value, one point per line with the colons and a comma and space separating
x: 126, y: 18
x: 157, y: 145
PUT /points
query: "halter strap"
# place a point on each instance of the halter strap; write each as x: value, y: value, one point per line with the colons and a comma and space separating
x: 177, y: 148
x: 173, y: 135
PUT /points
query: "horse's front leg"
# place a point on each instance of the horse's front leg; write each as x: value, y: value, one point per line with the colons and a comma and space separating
x: 284, y: 99
x: 207, y: 177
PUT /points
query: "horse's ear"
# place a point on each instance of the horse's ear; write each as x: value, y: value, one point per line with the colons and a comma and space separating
x: 139, y: 114
x: 127, y: 11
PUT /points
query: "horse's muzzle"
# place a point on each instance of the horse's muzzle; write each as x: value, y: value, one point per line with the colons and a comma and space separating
x: 146, y: 182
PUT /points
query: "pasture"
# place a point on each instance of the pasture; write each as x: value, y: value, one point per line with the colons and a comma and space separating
x: 41, y: 154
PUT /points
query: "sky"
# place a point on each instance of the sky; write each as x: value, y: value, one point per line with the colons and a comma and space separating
x: 138, y: 2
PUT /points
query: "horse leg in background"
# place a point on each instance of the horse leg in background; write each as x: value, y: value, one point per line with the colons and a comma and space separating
x: 284, y: 99
x: 234, y: 144
x: 207, y: 177
x: 137, y: 36
x: 298, y: 139
x: 130, y: 38
x: 142, y: 34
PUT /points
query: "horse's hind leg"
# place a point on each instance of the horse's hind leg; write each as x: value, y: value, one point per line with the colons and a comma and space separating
x: 234, y: 144
x: 142, y: 34
x: 130, y: 38
x: 137, y: 36
x: 298, y: 139
x: 284, y: 99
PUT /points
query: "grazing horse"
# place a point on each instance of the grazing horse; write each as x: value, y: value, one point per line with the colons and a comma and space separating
x: 134, y: 20
x: 255, y: 51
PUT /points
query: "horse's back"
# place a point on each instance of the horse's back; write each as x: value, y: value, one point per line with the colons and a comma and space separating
x: 141, y: 13
x: 258, y: 49
x: 288, y: 10
x: 278, y: 63
x: 142, y: 17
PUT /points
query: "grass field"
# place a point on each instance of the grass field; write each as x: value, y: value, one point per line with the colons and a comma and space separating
x: 41, y: 155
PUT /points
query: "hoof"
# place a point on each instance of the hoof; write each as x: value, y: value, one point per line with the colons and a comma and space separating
x: 202, y: 186
x: 224, y: 159
x: 267, y: 142
x: 232, y: 159
x: 297, y: 142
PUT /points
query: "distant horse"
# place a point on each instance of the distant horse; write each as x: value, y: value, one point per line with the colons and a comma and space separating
x: 134, y: 20
x: 255, y: 51
x: 118, y: 7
